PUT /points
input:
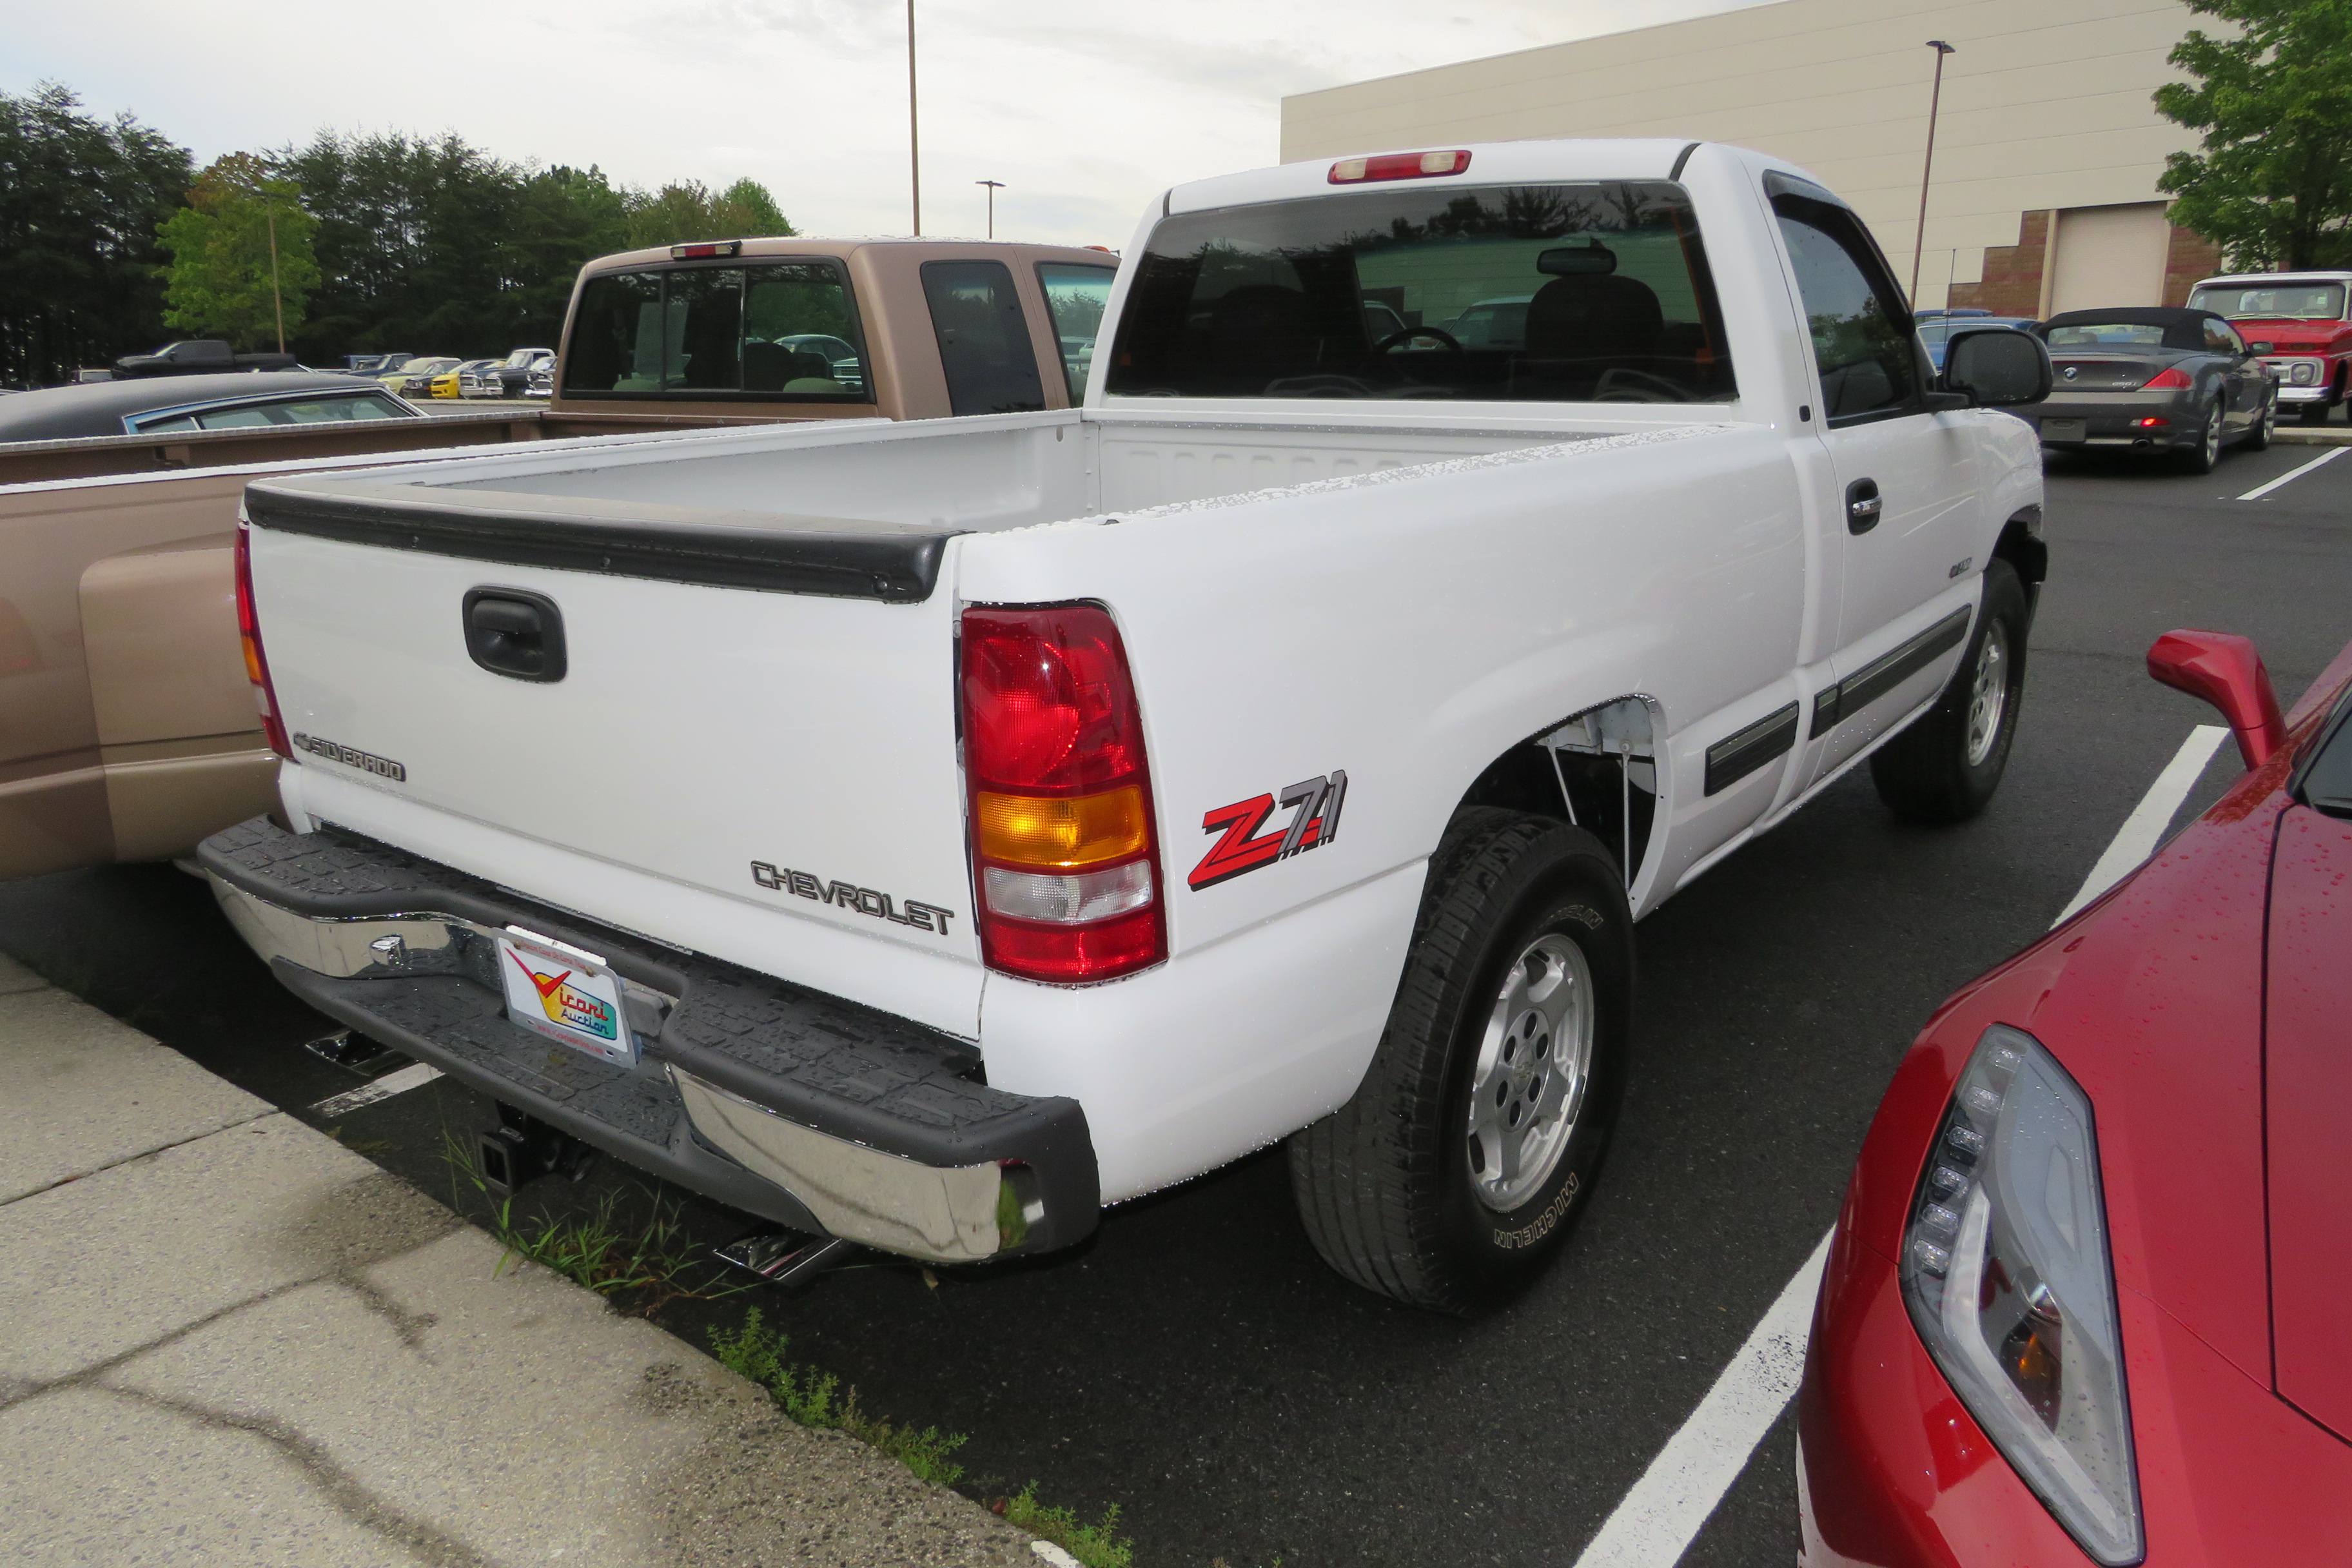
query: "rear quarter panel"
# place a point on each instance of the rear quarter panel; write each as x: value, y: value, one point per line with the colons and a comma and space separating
x: 1410, y: 626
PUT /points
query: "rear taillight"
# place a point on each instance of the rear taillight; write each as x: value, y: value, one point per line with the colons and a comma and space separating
x: 1399, y: 166
x: 1065, y: 864
x: 2172, y: 378
x: 257, y: 664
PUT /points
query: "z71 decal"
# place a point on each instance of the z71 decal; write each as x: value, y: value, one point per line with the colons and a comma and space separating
x: 1313, y: 822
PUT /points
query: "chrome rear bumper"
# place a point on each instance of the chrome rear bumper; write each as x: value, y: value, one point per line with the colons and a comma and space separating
x: 792, y: 1105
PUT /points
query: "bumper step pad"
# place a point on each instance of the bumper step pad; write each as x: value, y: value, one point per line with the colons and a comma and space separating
x: 823, y: 1063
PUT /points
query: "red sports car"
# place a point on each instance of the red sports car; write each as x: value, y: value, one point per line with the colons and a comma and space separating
x: 2091, y: 1291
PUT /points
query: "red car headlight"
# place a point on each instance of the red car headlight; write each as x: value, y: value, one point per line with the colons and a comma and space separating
x: 2006, y: 1273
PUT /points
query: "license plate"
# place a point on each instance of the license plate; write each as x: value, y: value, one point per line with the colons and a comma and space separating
x: 2063, y: 429
x: 566, y: 995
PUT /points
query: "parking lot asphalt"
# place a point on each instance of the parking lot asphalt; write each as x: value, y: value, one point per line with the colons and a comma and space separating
x: 1196, y: 1365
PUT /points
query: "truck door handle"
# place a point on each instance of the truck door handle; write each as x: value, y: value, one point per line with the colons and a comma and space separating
x: 516, y: 632
x: 1862, y: 506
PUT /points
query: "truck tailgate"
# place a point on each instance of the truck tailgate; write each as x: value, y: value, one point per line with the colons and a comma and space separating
x: 740, y: 738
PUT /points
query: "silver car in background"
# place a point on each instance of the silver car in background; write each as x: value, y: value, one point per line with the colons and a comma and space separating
x: 479, y: 378
x: 2154, y: 379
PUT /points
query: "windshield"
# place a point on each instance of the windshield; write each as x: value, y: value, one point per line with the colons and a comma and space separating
x: 1595, y: 292
x: 294, y: 411
x: 2309, y: 301
x: 2326, y: 781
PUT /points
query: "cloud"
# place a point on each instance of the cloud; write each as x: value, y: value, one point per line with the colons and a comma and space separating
x: 1084, y: 108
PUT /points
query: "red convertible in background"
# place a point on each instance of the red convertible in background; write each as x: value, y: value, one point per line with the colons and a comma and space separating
x: 2090, y: 1295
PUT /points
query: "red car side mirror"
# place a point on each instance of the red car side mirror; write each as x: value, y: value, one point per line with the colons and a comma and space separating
x: 2225, y: 671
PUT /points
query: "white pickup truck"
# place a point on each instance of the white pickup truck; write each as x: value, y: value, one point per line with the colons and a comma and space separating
x: 929, y: 834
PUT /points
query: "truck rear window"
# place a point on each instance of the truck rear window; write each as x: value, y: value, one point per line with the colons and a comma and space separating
x: 778, y: 332
x: 1579, y: 293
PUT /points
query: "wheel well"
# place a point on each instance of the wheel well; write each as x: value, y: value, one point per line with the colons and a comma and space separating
x: 1594, y: 769
x: 2021, y: 546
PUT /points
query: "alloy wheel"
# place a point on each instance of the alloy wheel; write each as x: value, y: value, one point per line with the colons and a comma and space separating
x: 1988, y: 693
x: 1534, y: 1063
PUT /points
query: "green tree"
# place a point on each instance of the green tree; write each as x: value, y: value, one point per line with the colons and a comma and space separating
x: 80, y: 199
x: 2273, y: 183
x: 241, y: 264
x: 688, y: 210
x: 432, y: 245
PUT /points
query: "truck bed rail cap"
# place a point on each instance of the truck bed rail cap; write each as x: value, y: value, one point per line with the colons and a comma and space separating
x: 785, y: 552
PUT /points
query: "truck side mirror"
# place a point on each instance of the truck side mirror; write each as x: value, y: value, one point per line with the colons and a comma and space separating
x: 1994, y: 367
x: 2259, y: 348
x: 2225, y: 671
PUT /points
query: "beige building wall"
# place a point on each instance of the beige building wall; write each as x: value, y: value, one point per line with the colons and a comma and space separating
x: 2045, y: 111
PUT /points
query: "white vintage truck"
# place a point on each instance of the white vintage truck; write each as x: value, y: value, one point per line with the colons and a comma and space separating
x: 929, y: 834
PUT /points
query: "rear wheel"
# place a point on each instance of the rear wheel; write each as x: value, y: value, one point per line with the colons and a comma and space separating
x: 1946, y: 765
x: 2206, y: 455
x: 2259, y: 438
x: 1453, y: 1175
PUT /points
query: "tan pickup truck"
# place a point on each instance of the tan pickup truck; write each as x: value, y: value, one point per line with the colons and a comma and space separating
x: 831, y: 328
x: 127, y: 725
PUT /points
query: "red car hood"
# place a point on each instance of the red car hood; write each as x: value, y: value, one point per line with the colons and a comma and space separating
x: 2292, y: 336
x: 2226, y: 1148
x: 2155, y: 1005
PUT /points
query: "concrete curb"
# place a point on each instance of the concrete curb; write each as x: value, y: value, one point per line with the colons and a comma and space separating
x: 2317, y: 436
x: 227, y: 1338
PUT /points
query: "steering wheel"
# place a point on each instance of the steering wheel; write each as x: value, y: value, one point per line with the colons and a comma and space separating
x: 1618, y: 384
x: 1453, y: 344
x: 1323, y: 384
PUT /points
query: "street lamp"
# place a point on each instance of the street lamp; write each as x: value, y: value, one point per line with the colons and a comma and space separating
x: 914, y: 129
x: 1935, y: 100
x: 993, y: 187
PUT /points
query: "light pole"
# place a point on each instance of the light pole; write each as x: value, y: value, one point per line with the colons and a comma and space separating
x: 277, y: 298
x: 914, y: 127
x: 993, y: 187
x: 1935, y: 100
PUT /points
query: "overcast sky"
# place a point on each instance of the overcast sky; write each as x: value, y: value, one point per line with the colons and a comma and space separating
x: 1083, y: 109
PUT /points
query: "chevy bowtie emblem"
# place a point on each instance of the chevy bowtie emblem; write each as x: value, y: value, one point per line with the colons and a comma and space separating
x: 2068, y: 372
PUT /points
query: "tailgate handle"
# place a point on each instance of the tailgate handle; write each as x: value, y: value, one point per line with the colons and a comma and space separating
x: 516, y: 632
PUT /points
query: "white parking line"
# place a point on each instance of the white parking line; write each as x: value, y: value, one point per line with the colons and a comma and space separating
x: 2136, y: 840
x: 416, y: 1075
x: 2259, y: 491
x: 1656, y: 1522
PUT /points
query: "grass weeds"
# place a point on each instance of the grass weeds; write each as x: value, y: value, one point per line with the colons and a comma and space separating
x: 1095, y: 1545
x: 817, y: 1399
x: 649, y: 1268
x: 657, y: 1266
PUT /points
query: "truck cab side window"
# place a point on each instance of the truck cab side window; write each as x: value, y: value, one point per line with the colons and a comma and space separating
x: 1077, y: 297
x: 983, y: 338
x: 1864, y: 344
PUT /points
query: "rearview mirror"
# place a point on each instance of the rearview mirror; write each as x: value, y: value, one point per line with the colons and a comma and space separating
x: 1995, y: 367
x: 1577, y: 261
x: 2225, y: 671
